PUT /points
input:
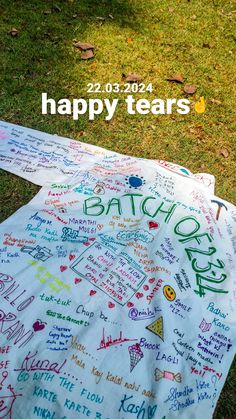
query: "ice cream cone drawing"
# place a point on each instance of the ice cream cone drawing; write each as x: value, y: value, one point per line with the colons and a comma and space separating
x: 200, y: 105
x: 136, y: 355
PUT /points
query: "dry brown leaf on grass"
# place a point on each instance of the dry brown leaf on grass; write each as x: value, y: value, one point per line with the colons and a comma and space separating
x: 216, y: 101
x: 81, y: 133
x: 177, y: 78
x: 87, y: 55
x: 56, y: 8
x: 133, y: 78
x: 93, y: 65
x: 31, y: 74
x: 129, y: 40
x: 206, y: 45
x: 190, y: 89
x: 13, y: 32
x: 84, y: 46
x: 224, y: 152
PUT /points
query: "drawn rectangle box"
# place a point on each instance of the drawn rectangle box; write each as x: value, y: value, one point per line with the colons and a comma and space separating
x: 111, y: 273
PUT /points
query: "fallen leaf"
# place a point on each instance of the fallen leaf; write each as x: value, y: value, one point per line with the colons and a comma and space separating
x: 216, y: 101
x: 13, y: 32
x: 83, y: 46
x: 223, y: 13
x: 190, y: 89
x: 56, y: 8
x: 31, y: 74
x: 87, y: 55
x: 177, y: 78
x: 206, y: 45
x: 93, y: 65
x: 129, y: 40
x: 200, y: 106
x: 132, y: 78
x: 224, y: 152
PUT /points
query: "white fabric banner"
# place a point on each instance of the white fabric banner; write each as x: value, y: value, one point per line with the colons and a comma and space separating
x: 38, y: 157
x: 117, y: 286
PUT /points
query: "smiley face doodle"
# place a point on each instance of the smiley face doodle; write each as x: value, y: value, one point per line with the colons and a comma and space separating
x: 169, y: 293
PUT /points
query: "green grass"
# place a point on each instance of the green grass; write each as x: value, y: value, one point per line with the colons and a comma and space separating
x: 192, y: 37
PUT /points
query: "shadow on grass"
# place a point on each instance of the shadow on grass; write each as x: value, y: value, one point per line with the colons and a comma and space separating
x: 121, y: 11
x: 43, y: 51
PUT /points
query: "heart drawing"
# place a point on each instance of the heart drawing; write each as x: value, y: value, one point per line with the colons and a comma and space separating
x: 38, y: 325
x: 77, y: 280
x: 139, y: 295
x: 153, y: 225
x: 151, y: 280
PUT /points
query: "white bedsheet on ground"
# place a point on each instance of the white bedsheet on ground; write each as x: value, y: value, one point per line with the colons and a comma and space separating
x: 117, y: 285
